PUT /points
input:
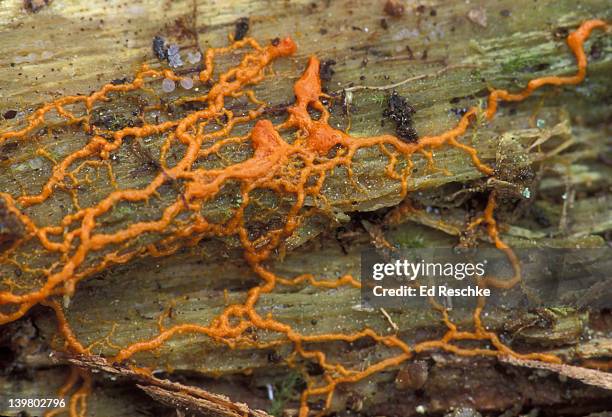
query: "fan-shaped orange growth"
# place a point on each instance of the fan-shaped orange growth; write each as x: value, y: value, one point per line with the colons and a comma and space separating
x: 295, y: 168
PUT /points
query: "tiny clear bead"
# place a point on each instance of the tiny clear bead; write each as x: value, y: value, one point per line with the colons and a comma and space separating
x: 194, y: 57
x: 186, y: 83
x: 168, y: 85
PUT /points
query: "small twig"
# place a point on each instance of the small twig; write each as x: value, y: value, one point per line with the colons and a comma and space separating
x: 586, y: 375
x: 174, y: 394
x: 407, y: 80
x: 388, y: 317
x: 377, y: 235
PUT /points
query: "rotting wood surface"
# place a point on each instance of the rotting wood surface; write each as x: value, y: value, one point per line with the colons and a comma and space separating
x: 517, y: 44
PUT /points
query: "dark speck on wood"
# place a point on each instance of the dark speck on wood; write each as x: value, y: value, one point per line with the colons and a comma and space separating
x: 400, y: 112
x: 159, y: 48
x: 326, y: 71
x: 242, y: 27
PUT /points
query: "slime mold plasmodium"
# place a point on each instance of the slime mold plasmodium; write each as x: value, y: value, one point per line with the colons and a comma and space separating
x: 297, y: 168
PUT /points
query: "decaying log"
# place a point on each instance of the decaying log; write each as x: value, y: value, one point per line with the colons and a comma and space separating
x: 560, y: 137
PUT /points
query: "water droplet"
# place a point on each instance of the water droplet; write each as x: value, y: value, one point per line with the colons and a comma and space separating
x: 194, y: 57
x: 186, y: 83
x: 526, y: 193
x: 36, y: 163
x: 168, y: 85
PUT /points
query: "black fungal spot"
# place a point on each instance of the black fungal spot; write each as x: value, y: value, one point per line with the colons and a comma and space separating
x: 242, y: 27
x: 10, y: 114
x: 159, y: 48
x: 314, y: 369
x: 560, y: 33
x: 326, y: 72
x: 400, y: 112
